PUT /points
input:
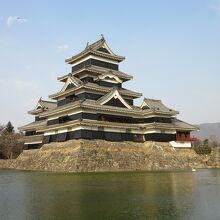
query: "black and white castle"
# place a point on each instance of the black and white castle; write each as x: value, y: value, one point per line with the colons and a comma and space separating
x: 93, y: 104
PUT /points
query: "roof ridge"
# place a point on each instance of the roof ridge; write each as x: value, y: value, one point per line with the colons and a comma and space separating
x: 102, y: 40
x: 155, y: 100
x: 48, y: 101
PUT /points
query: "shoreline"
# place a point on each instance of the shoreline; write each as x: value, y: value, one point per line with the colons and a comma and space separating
x: 112, y: 172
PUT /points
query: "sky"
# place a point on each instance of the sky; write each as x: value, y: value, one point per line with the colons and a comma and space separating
x: 172, y: 49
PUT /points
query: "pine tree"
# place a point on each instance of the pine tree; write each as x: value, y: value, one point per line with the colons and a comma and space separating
x: 9, y: 128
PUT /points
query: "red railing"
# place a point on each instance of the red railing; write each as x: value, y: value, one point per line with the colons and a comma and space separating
x: 182, y: 138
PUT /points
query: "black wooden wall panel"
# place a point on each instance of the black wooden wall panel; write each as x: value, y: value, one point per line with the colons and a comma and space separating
x: 106, y: 117
x: 104, y: 50
x: 87, y: 79
x: 105, y: 135
x: 129, y: 101
x: 160, y: 137
x: 104, y: 64
x: 70, y: 86
x: 94, y: 62
x: 46, y: 139
x: 109, y: 84
x: 115, y: 102
x: 53, y: 121
x: 32, y: 146
x: 30, y: 133
x: 80, y: 96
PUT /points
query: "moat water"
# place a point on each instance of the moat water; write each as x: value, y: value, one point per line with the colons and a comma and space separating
x: 136, y: 195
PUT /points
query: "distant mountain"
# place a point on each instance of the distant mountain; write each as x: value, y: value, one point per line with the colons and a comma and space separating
x: 208, y: 130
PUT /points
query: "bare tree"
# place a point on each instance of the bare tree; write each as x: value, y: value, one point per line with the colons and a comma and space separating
x: 10, y: 146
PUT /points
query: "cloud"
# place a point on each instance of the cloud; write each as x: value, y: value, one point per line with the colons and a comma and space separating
x: 15, y: 20
x: 63, y: 47
x: 24, y: 84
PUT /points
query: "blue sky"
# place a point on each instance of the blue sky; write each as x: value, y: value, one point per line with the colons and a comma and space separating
x: 172, y: 49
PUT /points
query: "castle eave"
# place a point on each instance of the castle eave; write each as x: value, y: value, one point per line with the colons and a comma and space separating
x: 97, y: 70
x: 181, y: 125
x: 142, y: 128
x: 79, y: 56
x: 94, y: 87
x: 35, y: 112
x: 33, y: 125
x: 61, y: 109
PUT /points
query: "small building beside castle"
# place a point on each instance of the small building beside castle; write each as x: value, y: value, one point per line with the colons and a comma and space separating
x: 93, y: 104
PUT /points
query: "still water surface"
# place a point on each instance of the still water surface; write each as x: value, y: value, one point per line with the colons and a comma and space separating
x: 141, y: 195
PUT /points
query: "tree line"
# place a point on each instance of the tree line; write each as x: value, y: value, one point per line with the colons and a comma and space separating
x: 10, y: 145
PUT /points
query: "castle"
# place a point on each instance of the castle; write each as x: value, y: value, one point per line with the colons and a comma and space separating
x: 93, y: 104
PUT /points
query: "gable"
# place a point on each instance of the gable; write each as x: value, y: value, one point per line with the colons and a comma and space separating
x: 42, y: 105
x: 38, y: 106
x: 70, y: 86
x: 115, y: 102
x: 104, y: 50
x: 144, y: 105
x: 113, y: 98
x: 71, y: 82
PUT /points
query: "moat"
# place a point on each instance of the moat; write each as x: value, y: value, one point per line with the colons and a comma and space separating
x: 127, y: 195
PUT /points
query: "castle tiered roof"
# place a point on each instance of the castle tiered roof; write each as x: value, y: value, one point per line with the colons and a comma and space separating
x: 99, y: 48
x: 96, y: 71
x: 157, y: 105
x: 93, y: 87
x: 42, y: 105
x: 34, y: 125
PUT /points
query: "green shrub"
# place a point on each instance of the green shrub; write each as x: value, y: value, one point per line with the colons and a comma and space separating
x: 202, y: 147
